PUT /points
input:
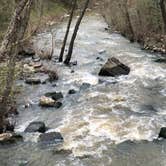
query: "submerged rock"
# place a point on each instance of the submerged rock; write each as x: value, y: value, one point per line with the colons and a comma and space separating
x: 53, y: 76
x: 114, y: 67
x: 74, y: 63
x: 52, y: 137
x: 72, y: 91
x: 58, y: 104
x: 33, y: 81
x: 36, y: 127
x: 161, y: 60
x: 7, y: 138
x: 162, y: 133
x: 102, y: 51
x: 85, y: 86
x: 54, y: 95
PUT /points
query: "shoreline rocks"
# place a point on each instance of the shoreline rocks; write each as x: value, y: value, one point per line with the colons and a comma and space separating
x: 113, y: 67
x: 9, y: 138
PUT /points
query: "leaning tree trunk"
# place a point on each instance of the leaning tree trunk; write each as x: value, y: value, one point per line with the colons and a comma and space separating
x: 163, y: 12
x: 70, y: 51
x: 15, y: 34
x: 67, y: 31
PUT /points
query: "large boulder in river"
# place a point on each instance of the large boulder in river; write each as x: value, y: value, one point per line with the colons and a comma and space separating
x: 114, y: 67
x: 36, y: 127
x: 7, y: 138
x: 52, y: 137
x: 162, y: 133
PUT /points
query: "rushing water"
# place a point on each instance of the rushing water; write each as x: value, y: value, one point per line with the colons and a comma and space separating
x: 98, y: 122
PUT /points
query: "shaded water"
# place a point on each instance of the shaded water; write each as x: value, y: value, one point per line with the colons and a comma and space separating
x: 96, y: 122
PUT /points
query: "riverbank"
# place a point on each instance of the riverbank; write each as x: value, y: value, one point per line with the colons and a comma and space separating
x: 139, y: 20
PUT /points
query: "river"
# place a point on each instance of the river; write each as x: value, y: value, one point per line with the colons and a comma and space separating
x: 111, y: 123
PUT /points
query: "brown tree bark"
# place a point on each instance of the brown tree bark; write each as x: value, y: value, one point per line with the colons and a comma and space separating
x: 67, y: 31
x: 15, y: 33
x: 13, y: 29
x: 163, y: 12
x: 70, y: 51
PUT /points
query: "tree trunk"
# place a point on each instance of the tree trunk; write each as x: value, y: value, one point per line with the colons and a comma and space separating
x: 70, y: 51
x: 9, y: 47
x: 163, y: 12
x: 67, y: 31
x: 13, y: 30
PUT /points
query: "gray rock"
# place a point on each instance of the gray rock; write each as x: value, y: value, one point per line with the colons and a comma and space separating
x: 54, y: 95
x: 49, y: 138
x: 72, y: 91
x: 36, y: 127
x: 162, y: 133
x: 114, y: 67
x: 49, y: 102
x: 8, y: 138
x: 58, y: 104
x: 46, y: 102
x: 85, y: 86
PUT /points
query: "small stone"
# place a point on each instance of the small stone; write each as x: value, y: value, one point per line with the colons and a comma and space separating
x: 72, y: 91
x: 33, y: 81
x: 37, y: 65
x: 28, y: 69
x: 36, y: 58
x: 85, y: 86
x: 54, y: 95
x: 161, y: 60
x: 53, y: 76
x: 102, y: 52
x: 46, y: 102
x: 7, y: 138
x: 58, y: 104
x: 73, y: 63
x: 72, y: 71
x: 36, y: 127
